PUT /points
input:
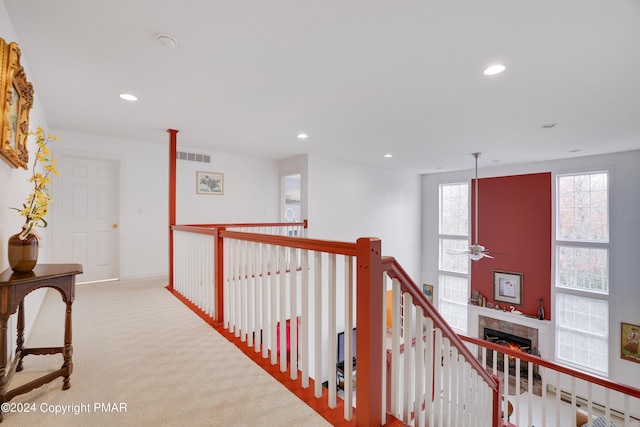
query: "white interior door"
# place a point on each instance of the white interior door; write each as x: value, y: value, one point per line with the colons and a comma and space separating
x: 90, y: 214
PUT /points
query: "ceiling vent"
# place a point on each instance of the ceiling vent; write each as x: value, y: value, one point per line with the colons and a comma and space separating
x: 194, y: 157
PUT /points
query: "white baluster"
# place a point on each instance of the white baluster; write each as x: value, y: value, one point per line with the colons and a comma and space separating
x: 317, y: 322
x: 273, y: 298
x: 408, y: 369
x: 304, y: 318
x: 250, y: 294
x: 437, y: 375
x: 349, y: 349
x: 263, y: 286
x: 293, y: 312
x: 282, y: 304
x: 557, y: 398
x: 419, y: 368
x: 429, y: 361
x: 333, y: 332
x: 395, y: 349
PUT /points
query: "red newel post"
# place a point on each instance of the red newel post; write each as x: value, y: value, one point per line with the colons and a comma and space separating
x: 369, y: 341
x: 219, y: 275
x: 173, y: 148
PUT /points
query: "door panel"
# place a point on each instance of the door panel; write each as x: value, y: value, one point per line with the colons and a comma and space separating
x: 89, y: 227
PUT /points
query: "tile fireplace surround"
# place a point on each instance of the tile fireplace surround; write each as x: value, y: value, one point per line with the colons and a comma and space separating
x: 517, y: 321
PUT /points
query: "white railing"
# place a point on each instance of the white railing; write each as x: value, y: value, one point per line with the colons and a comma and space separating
x: 194, y: 268
x: 194, y: 258
x: 545, y: 394
x: 269, y: 285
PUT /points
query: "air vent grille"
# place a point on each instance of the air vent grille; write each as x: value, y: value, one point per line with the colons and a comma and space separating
x: 194, y: 157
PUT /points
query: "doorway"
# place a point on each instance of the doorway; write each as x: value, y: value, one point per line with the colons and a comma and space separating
x: 292, y: 198
x: 89, y: 216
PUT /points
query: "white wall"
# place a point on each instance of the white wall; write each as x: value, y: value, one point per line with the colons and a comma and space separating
x: 14, y: 190
x: 624, y: 236
x: 144, y: 208
x: 347, y: 201
x: 251, y: 188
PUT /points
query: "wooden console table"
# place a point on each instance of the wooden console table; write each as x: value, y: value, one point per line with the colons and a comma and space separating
x: 13, y: 288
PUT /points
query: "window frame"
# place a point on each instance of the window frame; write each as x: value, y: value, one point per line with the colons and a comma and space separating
x: 558, y: 290
x: 447, y: 272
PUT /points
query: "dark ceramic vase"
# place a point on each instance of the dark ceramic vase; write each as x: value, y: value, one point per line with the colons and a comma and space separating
x: 23, y: 254
x: 541, y: 311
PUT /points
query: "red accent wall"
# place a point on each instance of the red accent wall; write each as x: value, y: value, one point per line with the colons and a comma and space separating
x: 514, y: 217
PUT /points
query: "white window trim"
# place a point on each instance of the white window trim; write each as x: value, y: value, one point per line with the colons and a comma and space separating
x: 461, y: 237
x: 555, y: 290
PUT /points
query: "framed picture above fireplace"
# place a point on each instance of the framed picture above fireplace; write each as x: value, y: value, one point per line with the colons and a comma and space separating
x: 507, y: 287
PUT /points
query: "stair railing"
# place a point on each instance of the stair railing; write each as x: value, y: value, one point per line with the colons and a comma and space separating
x: 566, y: 391
x: 433, y: 379
x: 288, y: 297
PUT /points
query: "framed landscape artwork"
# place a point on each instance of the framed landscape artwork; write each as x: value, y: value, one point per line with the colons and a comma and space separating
x: 507, y: 287
x: 211, y: 183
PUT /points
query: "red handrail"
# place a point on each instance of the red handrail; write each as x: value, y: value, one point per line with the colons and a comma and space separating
x: 253, y: 224
x: 622, y: 388
x: 329, y: 246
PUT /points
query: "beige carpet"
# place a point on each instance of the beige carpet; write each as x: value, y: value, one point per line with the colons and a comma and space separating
x: 137, y: 346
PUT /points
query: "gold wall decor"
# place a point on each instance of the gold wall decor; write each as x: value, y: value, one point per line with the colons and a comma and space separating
x: 16, y: 100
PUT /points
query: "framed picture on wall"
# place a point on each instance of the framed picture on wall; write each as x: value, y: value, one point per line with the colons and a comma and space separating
x: 507, y: 287
x: 428, y: 291
x: 211, y: 183
x: 16, y: 100
x: 629, y: 342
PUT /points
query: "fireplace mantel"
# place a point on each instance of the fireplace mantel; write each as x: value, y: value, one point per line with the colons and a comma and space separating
x: 543, y: 326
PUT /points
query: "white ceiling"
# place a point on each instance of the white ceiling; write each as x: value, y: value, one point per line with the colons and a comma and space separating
x: 361, y: 77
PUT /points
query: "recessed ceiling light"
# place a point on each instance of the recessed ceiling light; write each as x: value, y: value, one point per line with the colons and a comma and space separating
x: 548, y: 125
x: 128, y: 97
x: 388, y: 155
x: 303, y: 136
x: 494, y: 69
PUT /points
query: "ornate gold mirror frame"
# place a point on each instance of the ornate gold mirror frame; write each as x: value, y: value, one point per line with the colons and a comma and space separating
x: 16, y: 100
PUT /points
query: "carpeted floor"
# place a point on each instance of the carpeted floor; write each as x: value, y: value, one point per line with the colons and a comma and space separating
x: 141, y: 358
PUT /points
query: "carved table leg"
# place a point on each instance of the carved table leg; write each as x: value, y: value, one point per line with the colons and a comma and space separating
x: 3, y: 359
x: 68, y: 348
x: 20, y: 339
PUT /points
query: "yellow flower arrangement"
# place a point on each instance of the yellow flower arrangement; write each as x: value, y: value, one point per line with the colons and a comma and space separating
x: 36, y: 206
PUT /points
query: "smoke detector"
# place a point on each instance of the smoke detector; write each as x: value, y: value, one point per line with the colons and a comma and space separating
x: 166, y: 40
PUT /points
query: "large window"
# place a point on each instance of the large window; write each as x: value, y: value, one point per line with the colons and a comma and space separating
x: 582, y: 270
x: 453, y: 277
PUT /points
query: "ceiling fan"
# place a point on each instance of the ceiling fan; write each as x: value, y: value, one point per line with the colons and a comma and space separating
x: 475, y: 251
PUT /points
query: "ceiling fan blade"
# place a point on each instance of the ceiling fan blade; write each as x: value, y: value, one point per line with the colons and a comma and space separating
x: 458, y: 251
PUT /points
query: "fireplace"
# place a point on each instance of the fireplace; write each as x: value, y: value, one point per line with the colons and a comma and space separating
x: 516, y: 337
x: 513, y: 342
